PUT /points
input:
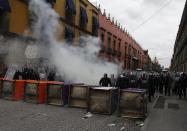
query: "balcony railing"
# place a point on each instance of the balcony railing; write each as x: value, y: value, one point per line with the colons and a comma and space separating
x: 119, y: 54
x: 114, y: 53
x: 102, y: 50
x: 109, y: 50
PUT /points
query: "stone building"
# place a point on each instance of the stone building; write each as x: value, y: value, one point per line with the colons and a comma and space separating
x: 179, y: 59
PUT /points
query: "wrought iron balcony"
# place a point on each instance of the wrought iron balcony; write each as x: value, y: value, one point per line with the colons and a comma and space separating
x: 102, y: 50
x: 119, y: 54
x: 114, y: 53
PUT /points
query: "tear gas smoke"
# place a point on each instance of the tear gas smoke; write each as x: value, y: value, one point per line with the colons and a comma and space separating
x: 45, y: 21
x: 73, y: 63
x: 80, y: 66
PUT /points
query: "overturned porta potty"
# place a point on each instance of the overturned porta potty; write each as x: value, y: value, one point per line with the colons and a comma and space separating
x: 103, y: 100
x: 12, y: 89
x: 78, y: 96
x: 34, y: 91
x: 8, y: 89
x: 132, y: 103
x: 55, y: 93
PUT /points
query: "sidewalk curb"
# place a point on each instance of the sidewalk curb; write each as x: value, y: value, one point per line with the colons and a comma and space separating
x: 144, y: 128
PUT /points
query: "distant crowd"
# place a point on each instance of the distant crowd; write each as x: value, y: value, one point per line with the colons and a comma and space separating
x: 163, y: 83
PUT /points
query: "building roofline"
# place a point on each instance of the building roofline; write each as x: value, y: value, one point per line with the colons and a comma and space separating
x: 93, y: 5
x: 182, y: 23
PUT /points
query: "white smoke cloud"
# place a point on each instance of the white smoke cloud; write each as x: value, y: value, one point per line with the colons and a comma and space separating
x: 80, y: 64
x: 75, y: 64
x: 45, y: 21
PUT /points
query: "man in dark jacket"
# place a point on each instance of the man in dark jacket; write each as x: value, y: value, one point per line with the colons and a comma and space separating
x: 51, y: 76
x: 151, y: 87
x: 105, y: 81
x: 122, y: 82
x: 182, y: 85
x: 167, y: 85
x: 161, y: 83
x: 144, y: 82
x: 16, y: 76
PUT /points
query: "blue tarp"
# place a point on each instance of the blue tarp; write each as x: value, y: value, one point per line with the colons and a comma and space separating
x: 5, y: 6
x: 71, y: 6
x: 83, y: 16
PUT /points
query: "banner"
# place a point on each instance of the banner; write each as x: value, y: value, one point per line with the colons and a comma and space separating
x: 11, y: 72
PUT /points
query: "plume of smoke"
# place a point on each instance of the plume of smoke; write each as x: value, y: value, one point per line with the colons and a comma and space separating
x: 75, y: 64
x: 45, y: 21
x: 80, y: 64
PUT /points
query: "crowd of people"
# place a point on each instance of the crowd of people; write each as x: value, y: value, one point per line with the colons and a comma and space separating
x: 163, y: 83
x: 31, y: 74
x: 26, y: 74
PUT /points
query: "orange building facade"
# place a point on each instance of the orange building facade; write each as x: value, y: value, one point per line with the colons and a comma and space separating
x: 119, y: 47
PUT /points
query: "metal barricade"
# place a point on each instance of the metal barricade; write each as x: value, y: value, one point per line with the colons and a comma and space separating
x: 34, y: 91
x: 78, y: 96
x: 55, y: 93
x: 132, y: 103
x: 103, y: 100
x: 8, y: 89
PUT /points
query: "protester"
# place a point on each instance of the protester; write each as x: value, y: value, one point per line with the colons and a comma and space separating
x: 113, y: 80
x: 151, y: 89
x: 105, y: 81
x: 42, y: 76
x: 176, y: 84
x: 133, y: 81
x: 58, y: 77
x: 161, y: 83
x: 25, y: 74
x: 122, y: 82
x: 51, y: 76
x: 17, y: 75
x: 156, y: 82
x: 182, y: 85
x: 143, y: 82
x: 1, y: 75
x: 167, y: 85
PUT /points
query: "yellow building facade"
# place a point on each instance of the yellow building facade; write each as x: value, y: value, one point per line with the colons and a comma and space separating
x: 70, y: 12
x: 77, y: 17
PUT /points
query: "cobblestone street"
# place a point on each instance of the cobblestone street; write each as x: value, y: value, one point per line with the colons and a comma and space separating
x: 20, y: 116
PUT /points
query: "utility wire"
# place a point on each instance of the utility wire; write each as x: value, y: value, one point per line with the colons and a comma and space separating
x: 154, y: 14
